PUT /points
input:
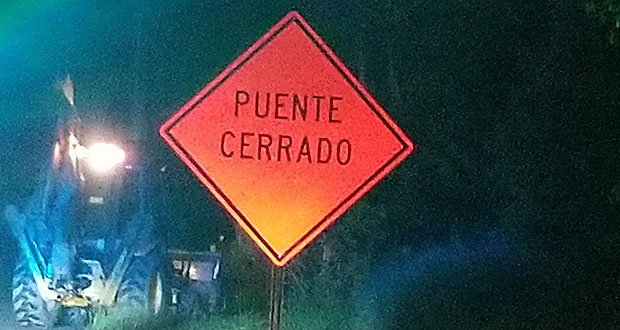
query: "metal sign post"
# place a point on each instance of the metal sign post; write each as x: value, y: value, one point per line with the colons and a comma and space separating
x: 277, y: 292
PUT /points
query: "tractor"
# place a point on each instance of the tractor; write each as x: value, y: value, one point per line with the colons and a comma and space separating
x: 86, y: 238
x: 87, y: 241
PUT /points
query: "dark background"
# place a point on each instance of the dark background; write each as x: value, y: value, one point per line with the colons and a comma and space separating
x: 506, y: 216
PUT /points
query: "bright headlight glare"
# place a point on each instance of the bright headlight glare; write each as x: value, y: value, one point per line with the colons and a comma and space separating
x: 81, y: 151
x: 104, y: 156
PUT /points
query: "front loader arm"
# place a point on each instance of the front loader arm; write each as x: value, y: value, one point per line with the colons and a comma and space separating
x: 48, y: 215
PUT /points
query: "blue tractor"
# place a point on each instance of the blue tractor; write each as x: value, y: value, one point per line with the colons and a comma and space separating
x: 86, y: 237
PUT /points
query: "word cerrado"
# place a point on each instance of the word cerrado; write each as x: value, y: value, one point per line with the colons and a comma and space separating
x: 281, y: 147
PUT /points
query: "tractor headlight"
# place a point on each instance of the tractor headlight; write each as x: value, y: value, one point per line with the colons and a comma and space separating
x: 103, y: 156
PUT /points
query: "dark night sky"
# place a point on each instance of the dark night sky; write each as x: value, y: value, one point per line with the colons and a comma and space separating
x: 514, y: 107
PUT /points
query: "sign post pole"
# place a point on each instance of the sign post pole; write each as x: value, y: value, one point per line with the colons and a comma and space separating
x: 277, y: 291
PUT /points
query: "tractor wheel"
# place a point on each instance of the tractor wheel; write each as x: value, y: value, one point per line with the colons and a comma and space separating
x: 28, y: 305
x: 142, y: 286
x: 75, y: 318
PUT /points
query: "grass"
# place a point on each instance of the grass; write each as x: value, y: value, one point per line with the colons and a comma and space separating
x: 307, y: 317
x: 128, y: 320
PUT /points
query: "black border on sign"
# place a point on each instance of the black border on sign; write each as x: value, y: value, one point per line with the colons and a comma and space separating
x: 204, y: 173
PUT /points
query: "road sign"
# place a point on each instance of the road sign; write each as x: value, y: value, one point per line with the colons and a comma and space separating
x: 286, y: 138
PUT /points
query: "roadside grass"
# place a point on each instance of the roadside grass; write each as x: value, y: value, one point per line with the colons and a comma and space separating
x: 307, y: 317
x: 128, y: 320
x: 319, y: 318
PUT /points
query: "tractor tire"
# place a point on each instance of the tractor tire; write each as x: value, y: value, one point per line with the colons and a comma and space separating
x: 141, y: 289
x: 29, y: 307
x: 75, y: 318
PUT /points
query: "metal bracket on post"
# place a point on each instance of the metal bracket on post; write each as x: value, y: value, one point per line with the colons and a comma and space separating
x: 277, y: 292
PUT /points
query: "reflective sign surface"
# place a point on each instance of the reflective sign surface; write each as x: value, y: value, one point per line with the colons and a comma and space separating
x: 286, y: 138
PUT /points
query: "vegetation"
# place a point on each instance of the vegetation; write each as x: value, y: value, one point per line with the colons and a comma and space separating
x: 608, y: 12
x: 126, y: 321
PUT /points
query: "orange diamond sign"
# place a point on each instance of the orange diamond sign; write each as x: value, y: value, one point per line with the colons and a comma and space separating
x: 286, y: 138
